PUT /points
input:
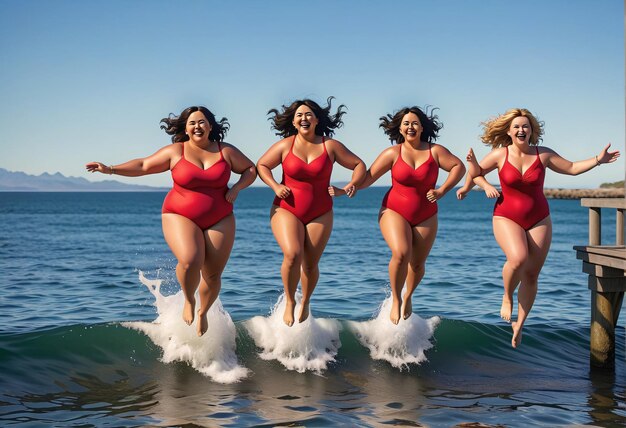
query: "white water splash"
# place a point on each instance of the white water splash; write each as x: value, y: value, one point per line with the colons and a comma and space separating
x: 212, y: 354
x: 401, y: 344
x: 310, y: 345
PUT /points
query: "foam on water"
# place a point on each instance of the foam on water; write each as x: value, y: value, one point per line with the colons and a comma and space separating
x: 401, y: 344
x: 212, y: 354
x: 310, y: 345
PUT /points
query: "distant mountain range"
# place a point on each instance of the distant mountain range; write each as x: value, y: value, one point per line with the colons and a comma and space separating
x: 21, y: 182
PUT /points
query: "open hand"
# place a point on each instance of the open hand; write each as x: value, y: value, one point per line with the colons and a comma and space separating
x: 98, y: 167
x: 607, y: 157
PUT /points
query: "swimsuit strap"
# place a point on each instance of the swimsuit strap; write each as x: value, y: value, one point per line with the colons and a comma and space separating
x: 182, y: 154
x: 324, y: 144
x: 293, y: 143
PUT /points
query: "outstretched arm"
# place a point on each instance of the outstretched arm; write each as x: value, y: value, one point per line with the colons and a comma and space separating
x: 563, y: 166
x: 240, y: 164
x: 153, y: 164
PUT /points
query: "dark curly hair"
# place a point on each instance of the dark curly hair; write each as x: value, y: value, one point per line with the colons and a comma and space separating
x: 283, y: 121
x: 429, y: 121
x: 175, y: 125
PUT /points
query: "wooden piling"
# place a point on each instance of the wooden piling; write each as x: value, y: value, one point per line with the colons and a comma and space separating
x: 606, y: 267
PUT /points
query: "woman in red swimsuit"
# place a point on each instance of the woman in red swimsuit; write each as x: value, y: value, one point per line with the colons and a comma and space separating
x: 198, y: 224
x: 301, y: 216
x: 521, y: 217
x: 408, y: 216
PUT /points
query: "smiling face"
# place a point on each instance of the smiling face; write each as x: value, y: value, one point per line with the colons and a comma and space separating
x: 411, y: 128
x: 304, y: 120
x: 520, y: 130
x: 197, y: 127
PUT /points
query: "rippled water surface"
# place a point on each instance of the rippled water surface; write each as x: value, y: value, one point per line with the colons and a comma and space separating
x: 69, y: 271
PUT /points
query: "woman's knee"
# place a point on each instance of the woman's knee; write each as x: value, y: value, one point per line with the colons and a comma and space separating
x: 310, y: 268
x: 516, y: 261
x: 211, y: 276
x: 531, y: 276
x: 399, y: 256
x: 418, y: 268
x: 191, y: 263
x: 292, y: 258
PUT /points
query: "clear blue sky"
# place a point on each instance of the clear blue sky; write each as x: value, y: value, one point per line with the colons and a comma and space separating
x: 90, y: 80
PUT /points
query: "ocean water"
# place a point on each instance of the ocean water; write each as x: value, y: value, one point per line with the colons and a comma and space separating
x: 90, y: 329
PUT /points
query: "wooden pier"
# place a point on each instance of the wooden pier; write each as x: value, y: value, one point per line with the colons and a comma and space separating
x: 606, y: 266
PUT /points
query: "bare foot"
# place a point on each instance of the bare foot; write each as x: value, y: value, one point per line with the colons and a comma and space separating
x: 288, y: 316
x: 304, y: 311
x: 395, y: 311
x: 407, y: 307
x: 188, y: 311
x: 506, y: 309
x: 203, y: 324
x: 517, y: 334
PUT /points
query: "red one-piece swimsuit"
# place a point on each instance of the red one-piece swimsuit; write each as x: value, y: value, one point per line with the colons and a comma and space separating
x: 409, y: 187
x: 522, y: 199
x: 309, y: 197
x: 199, y: 194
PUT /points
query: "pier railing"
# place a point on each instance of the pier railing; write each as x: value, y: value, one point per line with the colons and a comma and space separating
x: 606, y: 267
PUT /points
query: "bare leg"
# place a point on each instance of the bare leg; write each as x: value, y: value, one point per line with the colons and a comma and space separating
x: 397, y: 233
x: 539, y: 239
x: 289, y: 233
x: 512, y: 239
x: 186, y: 241
x: 424, y: 235
x: 219, y: 241
x: 316, y: 237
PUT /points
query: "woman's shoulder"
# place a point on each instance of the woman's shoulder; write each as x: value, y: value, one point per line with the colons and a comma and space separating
x: 284, y: 142
x: 437, y: 148
x: 545, y: 150
x: 499, y: 151
x: 391, y: 152
x: 223, y: 145
x: 174, y: 149
x: 331, y: 142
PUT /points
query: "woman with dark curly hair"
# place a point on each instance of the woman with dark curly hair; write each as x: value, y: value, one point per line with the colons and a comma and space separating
x: 301, y: 216
x: 521, y: 217
x: 408, y: 216
x: 197, y: 215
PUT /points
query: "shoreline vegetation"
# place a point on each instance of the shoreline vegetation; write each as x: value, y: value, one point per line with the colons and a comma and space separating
x: 606, y: 190
x: 614, y: 192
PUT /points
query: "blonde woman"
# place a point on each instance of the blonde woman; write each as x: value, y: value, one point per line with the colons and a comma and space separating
x: 521, y: 217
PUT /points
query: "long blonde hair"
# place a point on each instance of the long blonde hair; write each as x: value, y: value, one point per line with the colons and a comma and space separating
x: 496, y: 129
